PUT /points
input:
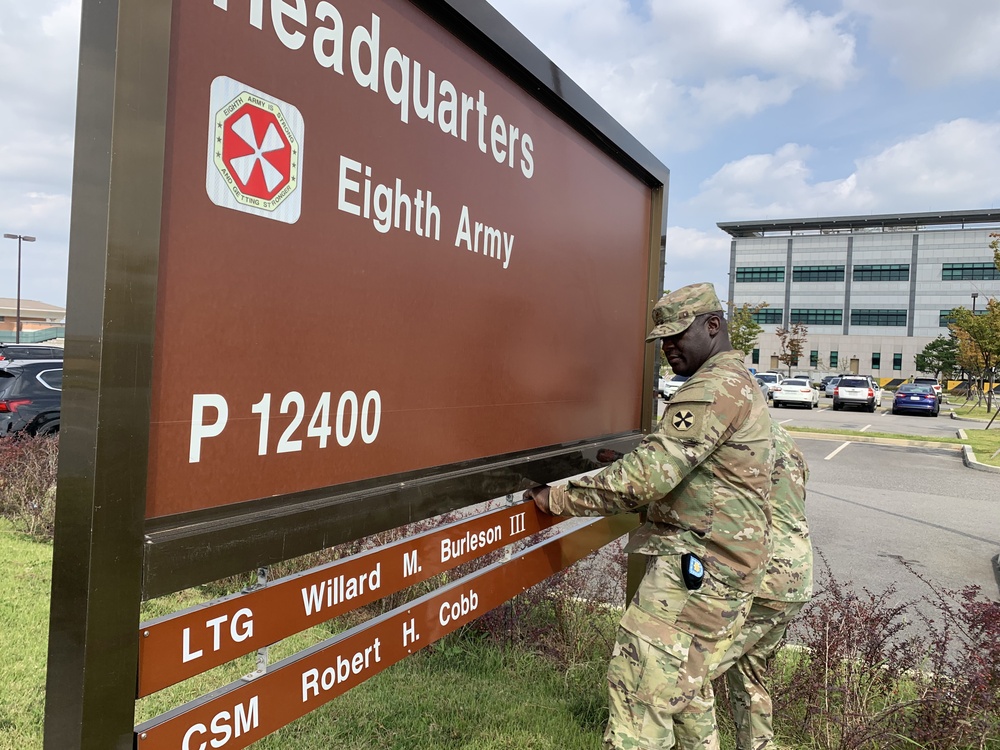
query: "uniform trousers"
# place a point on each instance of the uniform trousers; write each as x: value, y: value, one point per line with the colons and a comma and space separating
x: 669, y: 642
x: 745, y: 667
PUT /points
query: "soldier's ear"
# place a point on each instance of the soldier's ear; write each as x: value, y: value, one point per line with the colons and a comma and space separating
x: 713, y: 324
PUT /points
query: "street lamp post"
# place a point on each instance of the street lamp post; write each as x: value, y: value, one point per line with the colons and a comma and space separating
x: 975, y: 296
x: 19, y: 238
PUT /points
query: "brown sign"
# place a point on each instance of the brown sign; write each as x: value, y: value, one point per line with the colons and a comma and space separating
x: 244, y: 712
x: 378, y: 255
x: 187, y: 643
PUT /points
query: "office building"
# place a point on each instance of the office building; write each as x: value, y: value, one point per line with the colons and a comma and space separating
x: 873, y: 290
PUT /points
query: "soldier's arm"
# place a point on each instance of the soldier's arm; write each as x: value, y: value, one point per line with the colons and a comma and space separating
x: 688, y: 434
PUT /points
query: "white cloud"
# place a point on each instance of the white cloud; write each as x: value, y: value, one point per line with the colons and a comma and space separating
x: 39, y: 50
x: 693, y: 255
x: 688, y: 68
x: 930, y: 42
x: 954, y: 166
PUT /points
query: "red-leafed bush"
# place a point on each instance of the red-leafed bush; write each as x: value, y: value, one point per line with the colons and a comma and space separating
x: 28, y: 483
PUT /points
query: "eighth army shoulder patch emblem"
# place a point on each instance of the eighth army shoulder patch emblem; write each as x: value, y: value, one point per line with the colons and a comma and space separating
x: 683, y: 420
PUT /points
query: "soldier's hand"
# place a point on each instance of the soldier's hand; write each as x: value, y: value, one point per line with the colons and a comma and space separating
x: 541, y: 497
x: 607, y: 455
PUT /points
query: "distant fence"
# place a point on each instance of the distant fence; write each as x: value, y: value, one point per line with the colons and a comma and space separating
x: 33, y: 337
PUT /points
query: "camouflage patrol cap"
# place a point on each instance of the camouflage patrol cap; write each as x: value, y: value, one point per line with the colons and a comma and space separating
x: 676, y: 311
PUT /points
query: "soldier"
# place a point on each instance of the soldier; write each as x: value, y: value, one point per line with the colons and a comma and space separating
x: 703, y: 476
x: 785, y: 589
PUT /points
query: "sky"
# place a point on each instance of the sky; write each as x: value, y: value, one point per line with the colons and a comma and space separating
x: 771, y: 109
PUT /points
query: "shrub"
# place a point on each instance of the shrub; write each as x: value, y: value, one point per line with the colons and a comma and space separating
x: 28, y: 467
x: 870, y: 671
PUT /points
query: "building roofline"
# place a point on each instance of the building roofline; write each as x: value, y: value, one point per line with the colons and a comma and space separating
x: 869, y: 222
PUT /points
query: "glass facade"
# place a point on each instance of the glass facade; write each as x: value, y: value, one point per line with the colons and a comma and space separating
x: 890, y: 318
x: 882, y: 272
x: 876, y: 360
x: 768, y: 316
x: 818, y: 273
x: 897, y: 361
x: 760, y: 273
x: 969, y: 271
x: 834, y: 359
x: 818, y: 317
x: 755, y: 357
x: 814, y: 358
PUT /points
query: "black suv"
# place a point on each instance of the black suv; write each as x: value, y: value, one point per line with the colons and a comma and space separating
x: 11, y: 352
x: 30, y: 396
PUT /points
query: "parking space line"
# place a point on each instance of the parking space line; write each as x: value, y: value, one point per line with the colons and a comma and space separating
x: 784, y: 421
x: 864, y: 428
x: 838, y: 450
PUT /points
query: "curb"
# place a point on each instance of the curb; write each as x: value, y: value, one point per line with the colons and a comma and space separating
x: 996, y: 569
x: 969, y: 459
x: 969, y: 419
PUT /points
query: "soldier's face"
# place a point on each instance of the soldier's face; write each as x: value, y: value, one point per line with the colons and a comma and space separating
x: 690, y: 349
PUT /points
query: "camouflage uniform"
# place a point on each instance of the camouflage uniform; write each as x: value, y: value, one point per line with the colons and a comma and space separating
x: 704, y: 478
x: 786, y: 587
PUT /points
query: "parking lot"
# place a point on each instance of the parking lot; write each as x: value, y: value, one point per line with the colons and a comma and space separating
x: 881, y: 421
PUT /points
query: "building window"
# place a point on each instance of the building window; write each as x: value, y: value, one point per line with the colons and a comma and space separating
x: 814, y: 358
x: 818, y: 273
x: 897, y: 361
x: 755, y: 357
x: 818, y: 317
x: 944, y: 318
x: 834, y: 357
x: 760, y: 273
x: 890, y: 318
x: 876, y: 360
x: 969, y: 272
x: 768, y: 316
x: 882, y: 272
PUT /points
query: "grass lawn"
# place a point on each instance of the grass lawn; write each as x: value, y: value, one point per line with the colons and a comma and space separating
x: 24, y: 622
x: 985, y: 443
x: 971, y: 411
x: 461, y: 693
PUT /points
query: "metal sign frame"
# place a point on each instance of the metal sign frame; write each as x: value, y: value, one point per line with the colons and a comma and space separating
x: 107, y: 558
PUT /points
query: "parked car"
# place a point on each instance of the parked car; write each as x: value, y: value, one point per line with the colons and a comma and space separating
x: 797, y: 391
x: 12, y: 352
x: 916, y: 397
x: 671, y: 386
x: 932, y: 382
x: 771, y: 379
x: 830, y: 386
x: 30, y: 398
x: 854, y: 391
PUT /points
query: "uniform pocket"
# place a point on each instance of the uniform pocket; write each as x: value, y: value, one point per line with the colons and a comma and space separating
x: 649, y: 666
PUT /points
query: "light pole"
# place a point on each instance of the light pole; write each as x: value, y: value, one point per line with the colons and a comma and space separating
x: 975, y: 296
x: 19, y: 238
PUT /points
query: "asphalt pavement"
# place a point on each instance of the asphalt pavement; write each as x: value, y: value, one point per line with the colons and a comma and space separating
x: 872, y: 507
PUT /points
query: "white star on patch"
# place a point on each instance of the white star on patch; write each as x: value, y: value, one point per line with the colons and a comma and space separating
x: 683, y: 420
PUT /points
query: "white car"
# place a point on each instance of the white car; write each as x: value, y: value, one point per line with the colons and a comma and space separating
x: 795, y: 391
x: 671, y: 386
x: 770, y: 379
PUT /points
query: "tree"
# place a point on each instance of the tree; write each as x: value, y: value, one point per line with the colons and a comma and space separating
x: 996, y: 249
x: 743, y: 329
x: 939, y: 356
x: 793, y: 341
x: 979, y: 343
